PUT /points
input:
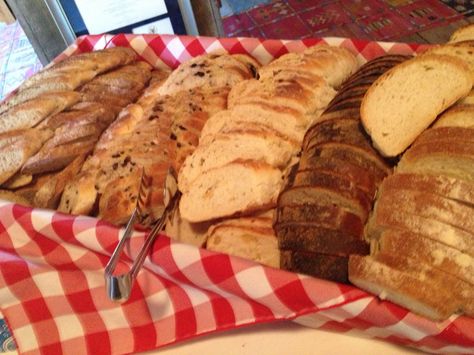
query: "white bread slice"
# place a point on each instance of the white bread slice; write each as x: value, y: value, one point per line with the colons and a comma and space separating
x: 426, y: 251
x: 457, y: 116
x: 253, y: 243
x: 243, y: 144
x: 30, y: 113
x: 420, y: 289
x: 465, y: 33
x: 405, y: 100
x: 461, y: 51
x: 238, y: 187
x: 445, y: 186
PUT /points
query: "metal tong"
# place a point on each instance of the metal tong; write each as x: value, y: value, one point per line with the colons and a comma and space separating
x: 120, y: 286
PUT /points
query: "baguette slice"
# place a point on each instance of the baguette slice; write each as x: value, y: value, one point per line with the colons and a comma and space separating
x: 426, y: 251
x: 238, y: 187
x: 425, y: 295
x: 404, y: 101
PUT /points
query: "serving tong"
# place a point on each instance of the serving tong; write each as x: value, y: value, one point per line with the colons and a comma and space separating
x: 120, y: 286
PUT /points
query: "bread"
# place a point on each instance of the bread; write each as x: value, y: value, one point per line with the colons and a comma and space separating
x: 460, y: 115
x: 422, y: 290
x: 442, y: 185
x: 216, y: 195
x: 29, y: 114
x: 464, y: 33
x: 183, y: 231
x: 462, y: 51
x: 243, y: 144
x: 394, y: 122
x: 329, y: 267
x: 16, y: 147
x: 426, y: 251
x: 246, y: 240
x: 14, y: 197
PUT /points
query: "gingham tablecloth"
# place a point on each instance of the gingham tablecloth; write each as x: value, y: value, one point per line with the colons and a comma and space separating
x: 52, y: 288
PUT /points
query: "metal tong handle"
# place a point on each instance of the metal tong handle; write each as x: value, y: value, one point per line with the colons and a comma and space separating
x: 120, y: 286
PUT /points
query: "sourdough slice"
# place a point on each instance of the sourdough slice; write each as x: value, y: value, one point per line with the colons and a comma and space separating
x: 329, y: 267
x: 457, y: 116
x: 465, y: 33
x: 15, y: 153
x: 224, y: 148
x: 312, y: 237
x: 429, y: 205
x: 407, y: 287
x: 361, y: 177
x: 321, y: 214
x: 454, y: 159
x: 257, y: 244
x: 238, y: 187
x: 395, y: 122
x: 426, y: 251
x: 431, y: 228
x: 29, y: 114
x: 445, y: 186
x: 48, y: 194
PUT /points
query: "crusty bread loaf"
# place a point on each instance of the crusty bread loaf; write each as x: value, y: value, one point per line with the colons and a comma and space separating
x: 395, y: 111
x: 464, y: 33
x: 214, y: 193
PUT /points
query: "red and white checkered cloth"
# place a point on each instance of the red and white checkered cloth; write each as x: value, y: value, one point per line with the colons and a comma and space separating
x: 52, y: 288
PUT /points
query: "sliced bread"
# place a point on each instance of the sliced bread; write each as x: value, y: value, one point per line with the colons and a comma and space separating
x: 395, y: 110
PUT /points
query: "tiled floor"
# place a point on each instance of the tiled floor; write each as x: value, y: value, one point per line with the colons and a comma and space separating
x: 389, y: 20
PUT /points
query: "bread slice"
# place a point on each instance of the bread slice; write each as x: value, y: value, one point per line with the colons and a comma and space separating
x: 16, y: 148
x: 328, y: 267
x: 446, y: 135
x: 17, y: 180
x: 238, y: 187
x: 359, y: 176
x: 311, y: 237
x: 49, y: 194
x: 428, y: 205
x: 15, y: 198
x: 394, y: 116
x: 452, y: 159
x: 465, y: 33
x: 445, y: 186
x: 257, y: 244
x: 387, y: 217
x: 179, y: 229
x: 418, y: 289
x: 321, y: 214
x: 248, y: 144
x: 426, y: 251
x: 79, y: 196
x: 457, y: 116
x: 328, y: 190
x: 458, y: 50
x: 29, y: 114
